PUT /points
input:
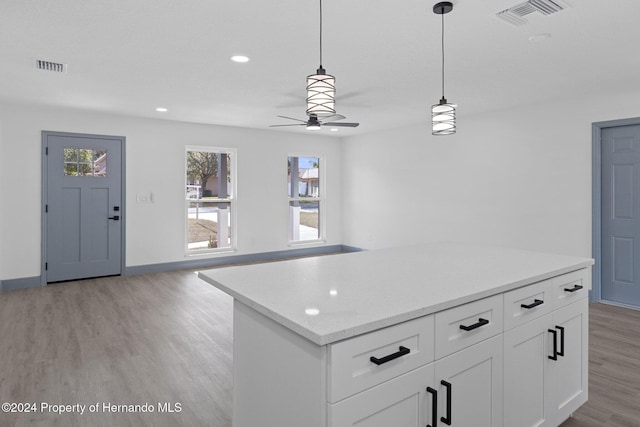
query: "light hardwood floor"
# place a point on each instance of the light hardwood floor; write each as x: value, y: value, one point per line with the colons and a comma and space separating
x: 167, y: 338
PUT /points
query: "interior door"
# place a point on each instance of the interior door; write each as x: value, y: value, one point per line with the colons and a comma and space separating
x: 83, y: 206
x: 620, y: 207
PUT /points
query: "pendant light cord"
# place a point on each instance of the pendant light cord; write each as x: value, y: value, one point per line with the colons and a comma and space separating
x: 442, y: 38
x: 320, y: 33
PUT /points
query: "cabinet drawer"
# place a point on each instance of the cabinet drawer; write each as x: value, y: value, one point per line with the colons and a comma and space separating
x: 570, y: 287
x: 351, y: 369
x: 482, y: 318
x: 527, y: 303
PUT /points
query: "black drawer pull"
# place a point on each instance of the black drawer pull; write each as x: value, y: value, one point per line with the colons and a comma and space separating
x: 481, y: 322
x: 535, y: 303
x: 401, y: 352
x: 555, y: 344
x: 447, y: 419
x: 434, y: 405
x: 575, y: 288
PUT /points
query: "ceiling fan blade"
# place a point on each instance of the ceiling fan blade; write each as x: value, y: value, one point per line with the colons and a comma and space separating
x: 297, y: 124
x: 347, y: 125
x: 334, y: 117
x: 291, y: 118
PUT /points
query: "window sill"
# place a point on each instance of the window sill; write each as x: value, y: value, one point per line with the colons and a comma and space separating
x: 317, y: 242
x: 211, y: 253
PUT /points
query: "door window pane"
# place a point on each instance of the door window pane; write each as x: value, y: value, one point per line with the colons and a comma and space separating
x: 85, y: 162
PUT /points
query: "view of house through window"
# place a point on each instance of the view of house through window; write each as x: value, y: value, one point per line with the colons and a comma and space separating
x: 85, y: 162
x: 209, y: 199
x: 304, y: 198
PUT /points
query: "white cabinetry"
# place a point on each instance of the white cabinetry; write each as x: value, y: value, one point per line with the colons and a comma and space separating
x: 485, y: 363
x: 545, y: 357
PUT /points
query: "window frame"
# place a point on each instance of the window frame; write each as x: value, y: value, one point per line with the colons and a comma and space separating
x: 321, y: 199
x: 232, y: 201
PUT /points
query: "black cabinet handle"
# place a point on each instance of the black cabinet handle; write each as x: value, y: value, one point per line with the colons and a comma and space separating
x: 535, y: 303
x: 115, y: 217
x: 401, y: 352
x: 561, y: 352
x: 447, y: 419
x: 555, y: 344
x: 481, y: 322
x: 434, y: 405
x: 575, y: 288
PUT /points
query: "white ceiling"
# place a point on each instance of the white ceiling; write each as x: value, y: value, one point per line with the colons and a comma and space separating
x: 131, y: 56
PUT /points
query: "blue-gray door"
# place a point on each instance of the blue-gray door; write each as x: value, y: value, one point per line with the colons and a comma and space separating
x: 83, y: 206
x: 620, y: 214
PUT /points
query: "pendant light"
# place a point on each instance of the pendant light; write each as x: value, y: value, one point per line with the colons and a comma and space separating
x: 321, y: 89
x: 443, y: 114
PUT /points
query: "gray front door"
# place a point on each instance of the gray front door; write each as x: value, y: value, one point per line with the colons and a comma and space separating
x: 621, y: 214
x: 83, y: 205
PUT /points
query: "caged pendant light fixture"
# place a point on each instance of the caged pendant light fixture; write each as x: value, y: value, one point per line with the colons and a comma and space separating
x: 443, y: 114
x: 321, y: 89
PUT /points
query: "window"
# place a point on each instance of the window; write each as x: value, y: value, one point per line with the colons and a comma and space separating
x: 209, y: 199
x: 305, y: 198
x: 85, y: 162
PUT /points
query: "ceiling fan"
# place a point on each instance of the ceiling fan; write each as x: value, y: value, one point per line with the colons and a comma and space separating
x: 321, y: 92
x: 314, y: 123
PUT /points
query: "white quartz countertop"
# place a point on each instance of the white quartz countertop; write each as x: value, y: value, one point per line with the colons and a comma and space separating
x: 333, y: 297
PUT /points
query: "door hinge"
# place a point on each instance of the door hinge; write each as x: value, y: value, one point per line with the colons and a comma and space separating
x: 46, y: 151
x: 46, y: 208
x: 46, y: 265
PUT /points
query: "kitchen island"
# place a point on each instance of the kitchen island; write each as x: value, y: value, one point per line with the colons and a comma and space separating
x: 437, y: 334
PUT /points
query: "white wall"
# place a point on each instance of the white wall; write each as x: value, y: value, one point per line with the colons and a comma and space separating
x: 155, y: 164
x: 518, y: 178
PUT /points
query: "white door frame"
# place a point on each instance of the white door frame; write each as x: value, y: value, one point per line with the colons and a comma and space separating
x: 596, y: 224
x: 43, y: 217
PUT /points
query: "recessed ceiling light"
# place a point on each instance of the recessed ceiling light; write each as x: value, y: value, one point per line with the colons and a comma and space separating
x: 161, y: 110
x: 240, y: 58
x: 334, y: 129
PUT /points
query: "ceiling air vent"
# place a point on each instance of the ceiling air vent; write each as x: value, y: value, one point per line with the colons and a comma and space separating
x: 51, y: 66
x: 516, y: 14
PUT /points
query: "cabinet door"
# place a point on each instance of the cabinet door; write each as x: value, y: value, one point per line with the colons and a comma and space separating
x: 525, y: 362
x: 475, y: 378
x: 400, y: 402
x: 567, y: 385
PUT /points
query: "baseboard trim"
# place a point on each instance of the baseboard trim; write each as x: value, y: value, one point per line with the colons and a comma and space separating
x: 22, y: 283
x: 236, y: 259
x: 619, y: 304
x: 32, y: 282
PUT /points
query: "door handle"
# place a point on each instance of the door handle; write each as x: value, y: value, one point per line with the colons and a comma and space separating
x: 434, y: 405
x: 555, y: 344
x: 447, y: 419
x: 561, y: 351
x: 115, y: 217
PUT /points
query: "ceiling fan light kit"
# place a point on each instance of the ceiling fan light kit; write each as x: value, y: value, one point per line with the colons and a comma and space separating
x: 443, y: 114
